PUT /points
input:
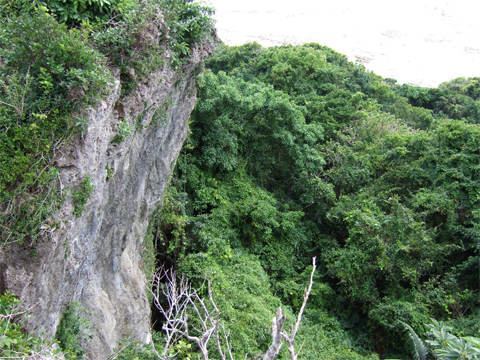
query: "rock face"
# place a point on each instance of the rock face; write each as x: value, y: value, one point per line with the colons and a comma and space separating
x: 95, y: 259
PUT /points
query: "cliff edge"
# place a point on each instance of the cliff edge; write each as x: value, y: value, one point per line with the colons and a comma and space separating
x: 126, y: 156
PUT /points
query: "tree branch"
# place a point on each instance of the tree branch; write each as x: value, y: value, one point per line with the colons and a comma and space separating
x: 277, y: 326
x: 182, y: 299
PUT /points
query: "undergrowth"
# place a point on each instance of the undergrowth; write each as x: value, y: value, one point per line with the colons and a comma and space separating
x: 54, y: 63
x: 15, y: 342
x: 72, y: 331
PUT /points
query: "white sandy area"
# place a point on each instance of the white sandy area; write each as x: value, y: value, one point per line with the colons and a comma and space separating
x: 420, y: 42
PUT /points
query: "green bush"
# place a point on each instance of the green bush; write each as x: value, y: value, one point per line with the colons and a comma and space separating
x: 48, y: 73
x: 447, y: 346
x: 51, y: 70
x: 295, y: 152
x: 456, y: 99
x: 190, y: 22
x: 72, y: 331
x: 15, y: 342
x: 123, y: 133
x: 72, y: 13
x: 127, y: 43
x: 80, y: 197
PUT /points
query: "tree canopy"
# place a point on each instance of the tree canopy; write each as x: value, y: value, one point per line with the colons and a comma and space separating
x: 295, y: 152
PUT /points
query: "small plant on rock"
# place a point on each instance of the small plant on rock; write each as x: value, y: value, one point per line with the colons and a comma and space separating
x: 80, y: 197
x: 71, y: 331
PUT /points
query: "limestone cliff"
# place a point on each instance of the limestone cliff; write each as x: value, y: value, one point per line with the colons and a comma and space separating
x: 95, y: 259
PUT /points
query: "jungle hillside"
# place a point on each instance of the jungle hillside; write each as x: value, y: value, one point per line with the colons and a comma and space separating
x: 295, y: 153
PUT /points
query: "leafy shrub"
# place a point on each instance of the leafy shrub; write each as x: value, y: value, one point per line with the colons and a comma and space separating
x: 72, y: 331
x: 66, y: 67
x: 241, y: 292
x: 456, y: 99
x: 389, y: 317
x: 134, y: 350
x: 190, y: 22
x: 72, y: 13
x: 129, y: 43
x: 123, y: 133
x: 295, y: 152
x: 15, y: 342
x: 77, y: 12
x: 449, y: 347
x: 80, y: 197
x: 48, y: 73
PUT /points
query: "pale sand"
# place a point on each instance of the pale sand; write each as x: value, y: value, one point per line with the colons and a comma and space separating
x: 421, y: 42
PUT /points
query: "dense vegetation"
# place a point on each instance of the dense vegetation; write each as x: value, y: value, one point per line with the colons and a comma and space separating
x: 295, y: 152
x: 55, y: 61
x: 15, y: 342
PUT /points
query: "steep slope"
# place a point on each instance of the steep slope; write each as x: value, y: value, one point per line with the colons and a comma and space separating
x: 296, y: 152
x: 127, y: 154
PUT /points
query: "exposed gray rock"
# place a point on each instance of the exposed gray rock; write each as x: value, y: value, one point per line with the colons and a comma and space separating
x: 95, y: 259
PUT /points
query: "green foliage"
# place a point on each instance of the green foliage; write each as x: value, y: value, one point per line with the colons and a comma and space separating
x: 61, y: 60
x: 466, y: 325
x: 148, y: 254
x: 15, y: 342
x: 259, y: 132
x: 419, y: 351
x: 166, y: 229
x: 129, y: 349
x: 332, y: 89
x: 130, y: 44
x: 110, y: 173
x: 326, y: 343
x: 295, y: 152
x: 182, y: 349
x: 445, y: 346
x: 82, y: 125
x: 47, y: 74
x: 51, y: 69
x: 81, y: 196
x: 448, y: 346
x: 190, y: 23
x: 403, y: 215
x: 123, y: 133
x: 72, y: 331
x: 77, y: 12
x: 72, y: 13
x: 241, y: 291
x: 456, y: 99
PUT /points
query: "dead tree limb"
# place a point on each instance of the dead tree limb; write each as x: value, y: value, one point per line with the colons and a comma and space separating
x: 277, y: 341
x: 277, y: 326
x: 182, y: 302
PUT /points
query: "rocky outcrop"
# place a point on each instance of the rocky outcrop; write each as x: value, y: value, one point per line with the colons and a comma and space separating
x: 95, y: 259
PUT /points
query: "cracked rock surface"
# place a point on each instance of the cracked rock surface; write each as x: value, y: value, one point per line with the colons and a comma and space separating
x: 95, y: 259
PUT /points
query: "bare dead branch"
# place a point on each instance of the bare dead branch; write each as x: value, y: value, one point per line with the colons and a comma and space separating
x: 182, y: 300
x: 277, y: 326
x: 277, y: 342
